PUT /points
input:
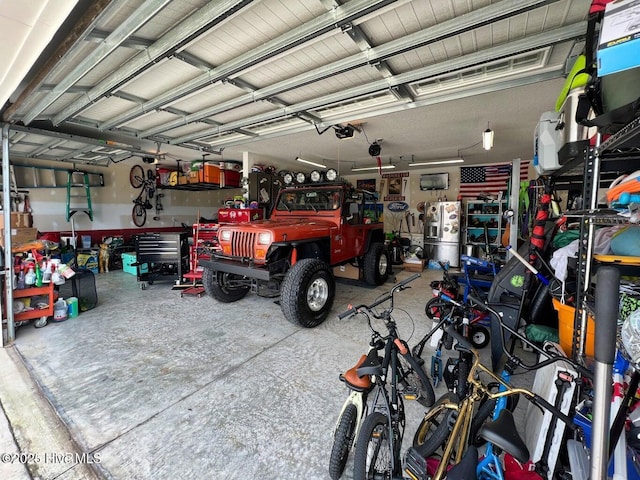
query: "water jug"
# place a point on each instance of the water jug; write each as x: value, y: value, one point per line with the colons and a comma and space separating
x: 60, y: 310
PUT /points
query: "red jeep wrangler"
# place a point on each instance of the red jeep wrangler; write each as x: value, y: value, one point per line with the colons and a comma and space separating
x: 312, y: 228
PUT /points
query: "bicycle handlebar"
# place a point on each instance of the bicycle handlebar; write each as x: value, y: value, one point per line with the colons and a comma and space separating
x: 480, y: 305
x: 398, y: 286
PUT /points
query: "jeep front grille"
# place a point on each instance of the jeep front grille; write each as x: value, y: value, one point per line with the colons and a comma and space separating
x: 242, y: 244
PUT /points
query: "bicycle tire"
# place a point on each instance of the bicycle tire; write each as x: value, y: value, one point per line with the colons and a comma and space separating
x: 139, y: 215
x: 136, y: 176
x: 373, y: 455
x: 416, y: 378
x: 433, y: 431
x: 342, y: 441
x: 436, y: 309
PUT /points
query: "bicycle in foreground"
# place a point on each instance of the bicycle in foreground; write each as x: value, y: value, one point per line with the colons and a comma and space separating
x: 452, y: 428
x: 373, y: 416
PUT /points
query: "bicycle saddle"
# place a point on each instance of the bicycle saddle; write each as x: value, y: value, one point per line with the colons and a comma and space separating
x: 359, y: 383
x: 466, y: 469
x: 503, y: 434
x: 371, y: 366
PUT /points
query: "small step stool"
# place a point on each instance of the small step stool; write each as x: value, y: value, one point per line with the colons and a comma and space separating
x: 78, y: 188
x: 195, y: 289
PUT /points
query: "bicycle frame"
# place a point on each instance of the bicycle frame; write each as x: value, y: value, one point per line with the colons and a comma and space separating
x: 459, y: 435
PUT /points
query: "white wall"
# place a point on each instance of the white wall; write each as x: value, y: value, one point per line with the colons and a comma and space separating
x: 113, y: 203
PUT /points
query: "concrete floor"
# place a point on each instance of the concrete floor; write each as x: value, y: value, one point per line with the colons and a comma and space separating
x: 155, y: 386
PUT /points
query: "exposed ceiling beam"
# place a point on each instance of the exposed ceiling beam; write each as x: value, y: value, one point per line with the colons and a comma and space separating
x: 131, y: 24
x: 297, y: 36
x: 137, y: 43
x: 524, y: 44
x: 196, y: 24
x: 376, y: 54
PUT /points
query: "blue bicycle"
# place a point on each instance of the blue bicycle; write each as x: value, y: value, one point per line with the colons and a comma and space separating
x: 452, y: 430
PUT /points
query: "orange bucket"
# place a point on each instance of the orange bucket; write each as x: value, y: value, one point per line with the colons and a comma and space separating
x: 566, y: 315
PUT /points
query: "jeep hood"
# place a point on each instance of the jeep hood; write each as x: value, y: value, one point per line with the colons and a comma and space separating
x: 288, y: 229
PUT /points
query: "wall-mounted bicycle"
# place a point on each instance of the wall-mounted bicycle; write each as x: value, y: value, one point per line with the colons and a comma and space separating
x: 142, y: 203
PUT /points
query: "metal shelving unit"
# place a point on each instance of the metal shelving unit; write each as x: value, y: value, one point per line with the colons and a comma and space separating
x: 618, y: 153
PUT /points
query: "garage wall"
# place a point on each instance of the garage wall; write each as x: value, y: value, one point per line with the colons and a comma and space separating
x: 112, y: 204
x: 413, y: 195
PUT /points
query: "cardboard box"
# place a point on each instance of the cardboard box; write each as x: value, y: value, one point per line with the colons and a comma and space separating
x: 239, y: 215
x: 18, y: 220
x: 414, y: 266
x: 347, y: 271
x: 619, y: 44
x: 20, y: 235
x: 88, y: 261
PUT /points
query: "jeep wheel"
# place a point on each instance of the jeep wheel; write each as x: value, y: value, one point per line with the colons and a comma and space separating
x: 307, y: 292
x: 217, y: 285
x: 376, y: 264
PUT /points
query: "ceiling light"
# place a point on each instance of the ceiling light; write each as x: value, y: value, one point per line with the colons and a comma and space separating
x: 308, y: 162
x: 487, y: 139
x: 436, y: 162
x: 381, y: 167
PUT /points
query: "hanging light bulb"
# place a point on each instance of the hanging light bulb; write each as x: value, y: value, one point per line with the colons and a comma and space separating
x: 487, y: 139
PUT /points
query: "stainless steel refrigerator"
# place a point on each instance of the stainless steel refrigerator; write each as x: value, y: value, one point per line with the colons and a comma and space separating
x: 442, y: 232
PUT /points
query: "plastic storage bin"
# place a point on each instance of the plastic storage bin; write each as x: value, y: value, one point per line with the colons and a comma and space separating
x: 128, y: 264
x: 565, y: 328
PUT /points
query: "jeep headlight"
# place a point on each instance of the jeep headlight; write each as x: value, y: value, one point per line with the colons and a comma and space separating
x: 225, y: 235
x: 264, y: 238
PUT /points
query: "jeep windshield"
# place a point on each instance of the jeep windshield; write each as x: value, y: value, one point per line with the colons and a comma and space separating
x: 309, y: 200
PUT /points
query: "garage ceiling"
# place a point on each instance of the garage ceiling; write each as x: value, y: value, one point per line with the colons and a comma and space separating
x: 184, y: 78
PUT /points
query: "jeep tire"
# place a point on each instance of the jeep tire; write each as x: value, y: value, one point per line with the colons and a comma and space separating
x: 307, y: 292
x: 377, y: 264
x: 216, y: 284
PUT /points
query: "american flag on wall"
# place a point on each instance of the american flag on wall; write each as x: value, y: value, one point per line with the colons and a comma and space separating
x: 490, y: 179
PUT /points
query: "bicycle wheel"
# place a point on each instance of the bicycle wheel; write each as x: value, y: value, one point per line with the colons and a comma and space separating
x: 139, y: 215
x: 136, y: 176
x: 415, y: 380
x: 342, y: 441
x: 436, y: 308
x: 373, y: 456
x: 433, y: 431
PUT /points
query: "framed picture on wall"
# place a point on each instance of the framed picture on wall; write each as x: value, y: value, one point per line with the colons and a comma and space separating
x: 369, y: 185
x: 395, y: 186
x: 434, y: 181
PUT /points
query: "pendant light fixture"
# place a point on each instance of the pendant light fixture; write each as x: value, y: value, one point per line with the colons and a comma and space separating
x: 487, y: 138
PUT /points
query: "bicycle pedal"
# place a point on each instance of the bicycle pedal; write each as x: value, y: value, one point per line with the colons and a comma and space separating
x: 410, y: 393
x: 436, y: 368
x: 415, y: 465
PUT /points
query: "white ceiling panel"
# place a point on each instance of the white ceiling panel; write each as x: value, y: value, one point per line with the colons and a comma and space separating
x: 211, y: 95
x: 150, y: 120
x: 162, y: 76
x: 106, y: 108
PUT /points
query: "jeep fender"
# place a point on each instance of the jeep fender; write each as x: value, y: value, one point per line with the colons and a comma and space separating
x: 374, y: 236
x: 317, y: 248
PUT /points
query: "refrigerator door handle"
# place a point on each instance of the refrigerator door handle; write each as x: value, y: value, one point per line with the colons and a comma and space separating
x: 441, y: 225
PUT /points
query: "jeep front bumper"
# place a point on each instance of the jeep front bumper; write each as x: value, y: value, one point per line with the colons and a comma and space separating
x: 236, y: 268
